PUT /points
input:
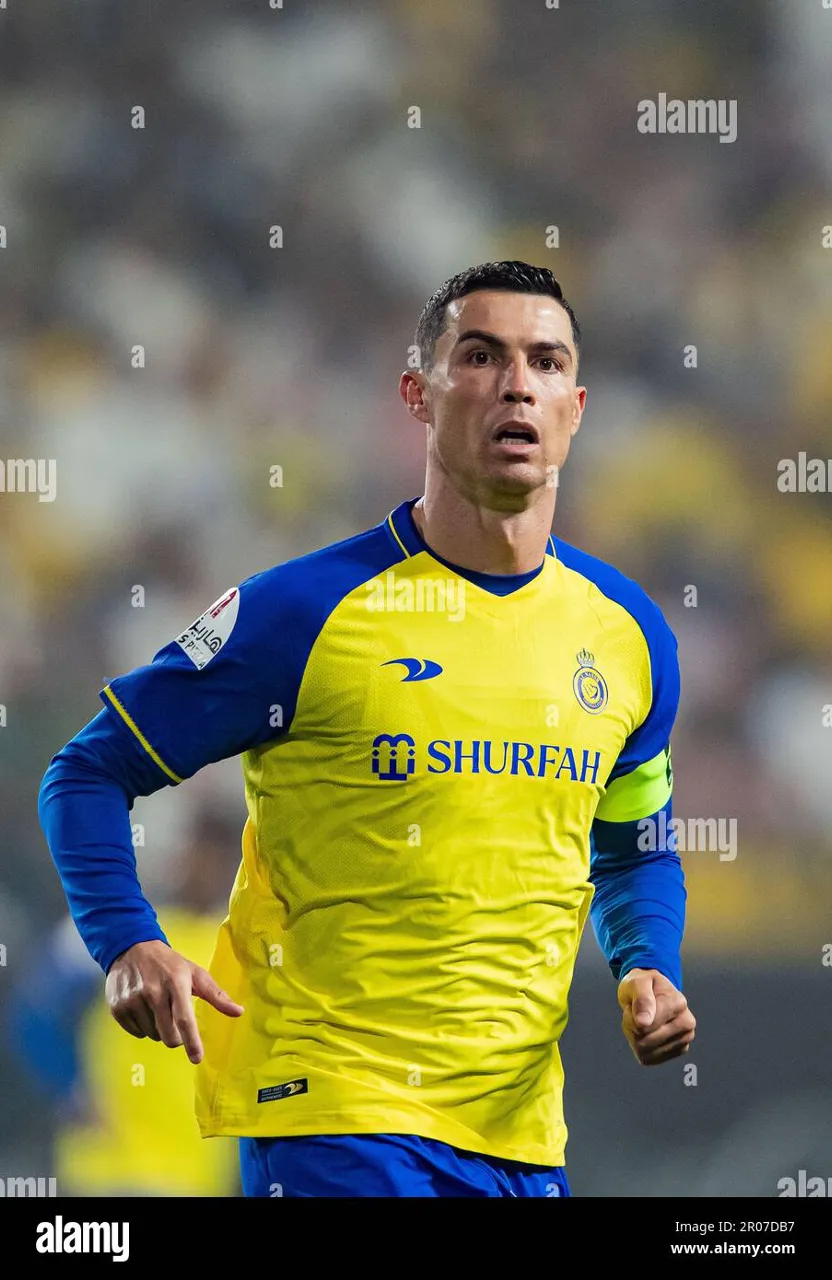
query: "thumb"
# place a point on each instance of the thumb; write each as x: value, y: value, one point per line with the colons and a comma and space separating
x: 642, y: 1001
x: 208, y: 990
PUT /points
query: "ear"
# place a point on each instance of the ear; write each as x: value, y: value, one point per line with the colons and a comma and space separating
x: 413, y: 389
x: 578, y: 409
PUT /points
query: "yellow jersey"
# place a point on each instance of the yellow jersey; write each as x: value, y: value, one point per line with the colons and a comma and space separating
x: 425, y: 751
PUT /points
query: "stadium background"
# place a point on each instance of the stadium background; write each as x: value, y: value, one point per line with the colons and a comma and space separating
x: 259, y: 357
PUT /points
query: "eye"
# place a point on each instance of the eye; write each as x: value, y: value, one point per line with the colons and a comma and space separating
x: 479, y: 352
x: 549, y: 364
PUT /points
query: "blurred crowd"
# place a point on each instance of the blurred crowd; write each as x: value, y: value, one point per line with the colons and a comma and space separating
x: 258, y: 357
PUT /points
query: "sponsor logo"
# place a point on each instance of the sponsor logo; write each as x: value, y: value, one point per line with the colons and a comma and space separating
x: 204, y: 638
x: 398, y: 762
x: 394, y: 758
x: 417, y: 668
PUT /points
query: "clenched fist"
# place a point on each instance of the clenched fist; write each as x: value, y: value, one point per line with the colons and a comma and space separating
x: 149, y: 989
x: 655, y: 1017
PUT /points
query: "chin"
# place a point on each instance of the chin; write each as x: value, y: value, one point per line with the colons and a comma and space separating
x: 521, y: 479
x: 515, y: 488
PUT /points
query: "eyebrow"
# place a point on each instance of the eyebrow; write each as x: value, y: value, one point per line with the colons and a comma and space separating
x: 492, y: 340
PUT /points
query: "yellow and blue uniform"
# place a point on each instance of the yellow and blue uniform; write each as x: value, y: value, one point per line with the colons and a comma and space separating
x: 435, y: 763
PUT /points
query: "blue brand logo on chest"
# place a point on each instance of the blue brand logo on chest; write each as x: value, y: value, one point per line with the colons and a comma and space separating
x: 394, y: 757
x: 416, y: 668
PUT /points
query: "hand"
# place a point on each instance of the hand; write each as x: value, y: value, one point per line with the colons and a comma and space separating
x: 656, y: 1019
x: 149, y: 989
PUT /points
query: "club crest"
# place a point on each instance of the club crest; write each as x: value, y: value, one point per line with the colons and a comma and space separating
x: 589, y: 685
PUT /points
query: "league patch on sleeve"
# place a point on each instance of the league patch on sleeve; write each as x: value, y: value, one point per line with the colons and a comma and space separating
x: 204, y: 638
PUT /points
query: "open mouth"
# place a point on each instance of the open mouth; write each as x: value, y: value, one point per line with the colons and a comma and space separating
x: 516, y: 432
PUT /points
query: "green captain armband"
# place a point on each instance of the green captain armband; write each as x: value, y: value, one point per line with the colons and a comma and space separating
x: 640, y: 793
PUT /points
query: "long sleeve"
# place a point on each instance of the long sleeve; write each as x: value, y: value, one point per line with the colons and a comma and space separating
x: 638, y: 910
x: 220, y: 688
x: 84, y: 808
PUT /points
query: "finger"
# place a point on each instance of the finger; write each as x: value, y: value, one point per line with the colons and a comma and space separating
x: 644, y: 1046
x: 207, y: 989
x: 675, y: 1050
x: 666, y: 1012
x: 666, y: 1042
x: 128, y: 1023
x: 631, y: 1028
x: 142, y: 1008
x: 641, y: 1000
x: 146, y: 1021
x: 670, y: 1048
x: 631, y: 984
x: 184, y: 1017
x: 664, y: 1034
x: 669, y: 1007
x: 166, y: 1021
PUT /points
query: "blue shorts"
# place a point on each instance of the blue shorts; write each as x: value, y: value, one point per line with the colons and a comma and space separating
x: 386, y: 1164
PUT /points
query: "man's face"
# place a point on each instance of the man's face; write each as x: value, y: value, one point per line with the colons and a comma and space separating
x: 501, y: 402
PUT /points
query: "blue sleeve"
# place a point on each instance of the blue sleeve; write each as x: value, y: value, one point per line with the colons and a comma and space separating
x: 653, y: 735
x: 638, y: 909
x: 209, y: 694
x: 84, y: 808
x: 229, y: 683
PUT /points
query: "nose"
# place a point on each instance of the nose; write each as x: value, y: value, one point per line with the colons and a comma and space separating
x: 517, y: 390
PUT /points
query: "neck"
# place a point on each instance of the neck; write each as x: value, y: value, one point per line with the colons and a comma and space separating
x: 474, y: 536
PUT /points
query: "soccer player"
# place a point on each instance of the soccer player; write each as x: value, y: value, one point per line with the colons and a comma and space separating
x: 455, y: 731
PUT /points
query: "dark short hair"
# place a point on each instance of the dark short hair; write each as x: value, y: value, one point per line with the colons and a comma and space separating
x: 514, y: 277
